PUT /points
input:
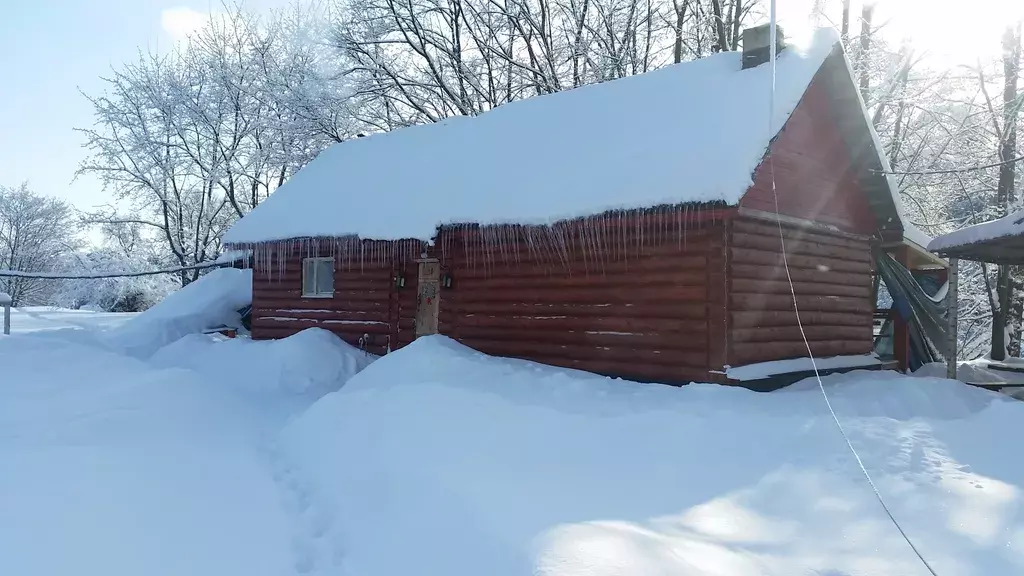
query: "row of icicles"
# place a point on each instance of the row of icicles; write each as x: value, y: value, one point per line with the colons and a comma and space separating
x: 584, y: 244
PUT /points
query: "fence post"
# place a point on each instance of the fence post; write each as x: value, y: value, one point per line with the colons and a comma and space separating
x: 7, y: 317
x: 951, y: 317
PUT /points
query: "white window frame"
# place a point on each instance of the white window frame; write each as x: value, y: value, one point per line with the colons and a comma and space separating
x: 315, y: 266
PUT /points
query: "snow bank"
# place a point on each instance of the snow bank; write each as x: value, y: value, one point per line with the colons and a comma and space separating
x: 211, y: 301
x: 5, y: 298
x: 440, y: 461
x: 767, y: 369
x: 1012, y: 225
x: 108, y: 466
x: 310, y: 363
x: 684, y: 133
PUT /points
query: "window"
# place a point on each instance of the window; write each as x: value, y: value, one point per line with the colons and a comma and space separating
x: 317, y: 277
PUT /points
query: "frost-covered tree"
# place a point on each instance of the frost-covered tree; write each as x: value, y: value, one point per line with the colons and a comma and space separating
x: 36, y: 233
x: 191, y: 140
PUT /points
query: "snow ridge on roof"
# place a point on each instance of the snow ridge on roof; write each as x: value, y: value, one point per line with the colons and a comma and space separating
x: 1011, y: 225
x: 686, y: 133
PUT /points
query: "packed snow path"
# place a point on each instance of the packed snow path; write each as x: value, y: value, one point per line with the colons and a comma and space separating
x: 116, y: 466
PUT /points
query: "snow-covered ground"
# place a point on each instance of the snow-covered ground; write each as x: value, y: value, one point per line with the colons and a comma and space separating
x: 39, y: 318
x: 231, y: 457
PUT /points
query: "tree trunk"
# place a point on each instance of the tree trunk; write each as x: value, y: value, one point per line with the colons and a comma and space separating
x: 846, y: 21
x: 723, y: 43
x: 1005, y: 195
x: 865, y: 49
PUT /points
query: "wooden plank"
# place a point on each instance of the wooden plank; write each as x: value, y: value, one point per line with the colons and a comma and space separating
x: 695, y: 311
x: 601, y: 256
x: 597, y: 295
x: 745, y: 286
x: 796, y: 234
x: 753, y: 319
x: 540, y: 352
x: 503, y: 280
x: 573, y: 323
x: 804, y: 248
x: 793, y: 333
x: 769, y: 258
x: 653, y: 341
x: 821, y: 276
x: 332, y: 325
x: 752, y: 302
x: 321, y: 314
x: 461, y: 269
x: 753, y: 352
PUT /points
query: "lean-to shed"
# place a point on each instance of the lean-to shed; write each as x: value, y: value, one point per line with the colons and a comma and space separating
x: 631, y: 228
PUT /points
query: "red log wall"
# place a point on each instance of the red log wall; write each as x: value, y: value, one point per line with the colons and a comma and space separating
x: 814, y: 171
x: 367, y: 309
x: 831, y: 275
x: 650, y: 309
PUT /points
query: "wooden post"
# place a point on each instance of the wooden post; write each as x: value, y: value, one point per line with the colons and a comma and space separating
x: 5, y: 303
x: 428, y: 294
x: 900, y: 329
x: 951, y: 317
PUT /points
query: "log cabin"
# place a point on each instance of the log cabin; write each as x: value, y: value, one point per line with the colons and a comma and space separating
x: 649, y: 227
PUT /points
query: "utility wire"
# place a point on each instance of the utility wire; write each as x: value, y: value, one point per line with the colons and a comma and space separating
x: 953, y: 170
x: 800, y: 324
x: 99, y: 275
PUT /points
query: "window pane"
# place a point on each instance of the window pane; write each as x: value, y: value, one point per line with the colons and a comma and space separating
x: 325, y: 276
x: 308, y: 276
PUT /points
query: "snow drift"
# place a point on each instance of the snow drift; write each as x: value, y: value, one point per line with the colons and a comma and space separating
x: 439, y: 461
x: 310, y: 363
x: 211, y: 301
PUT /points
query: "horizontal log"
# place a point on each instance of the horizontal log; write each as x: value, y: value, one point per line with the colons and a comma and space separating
x: 322, y: 314
x: 338, y: 296
x: 793, y: 333
x: 272, y: 301
x: 504, y: 281
x: 753, y: 352
x: 362, y: 284
x: 633, y: 371
x: 822, y: 276
x: 584, y: 323
x: 601, y: 256
x: 763, y: 228
x: 753, y: 302
x: 804, y: 248
x: 694, y: 311
x: 332, y: 325
x: 678, y: 262
x: 539, y: 352
x: 651, y: 341
x: 769, y: 258
x: 745, y: 286
x: 809, y: 318
x: 588, y: 295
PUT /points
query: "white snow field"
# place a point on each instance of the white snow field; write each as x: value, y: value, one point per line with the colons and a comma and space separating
x: 231, y: 457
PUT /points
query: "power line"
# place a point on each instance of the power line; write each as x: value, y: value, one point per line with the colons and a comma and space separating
x: 953, y: 170
x: 100, y: 275
x: 799, y: 321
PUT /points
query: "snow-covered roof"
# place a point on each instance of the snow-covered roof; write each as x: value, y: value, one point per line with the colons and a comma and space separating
x: 692, y: 132
x: 1012, y: 225
x: 5, y: 299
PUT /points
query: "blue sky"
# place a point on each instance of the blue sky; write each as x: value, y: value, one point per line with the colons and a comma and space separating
x: 49, y: 49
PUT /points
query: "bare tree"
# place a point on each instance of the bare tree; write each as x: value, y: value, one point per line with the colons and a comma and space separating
x: 36, y: 233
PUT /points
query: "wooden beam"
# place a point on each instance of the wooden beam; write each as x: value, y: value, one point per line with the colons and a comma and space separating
x: 951, y: 317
